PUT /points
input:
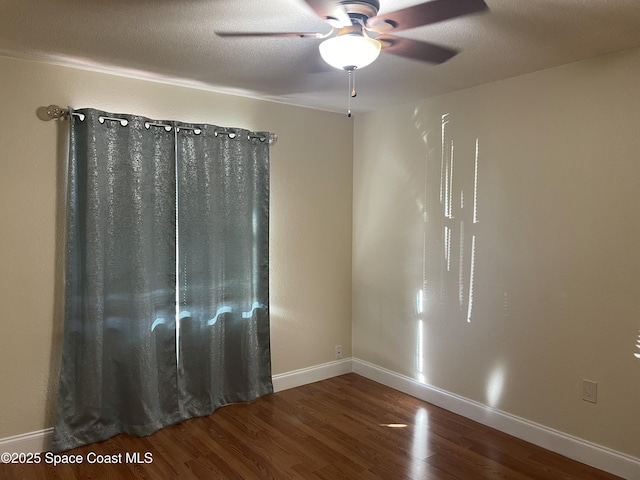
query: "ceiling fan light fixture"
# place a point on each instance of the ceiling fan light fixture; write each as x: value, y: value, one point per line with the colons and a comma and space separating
x: 350, y: 51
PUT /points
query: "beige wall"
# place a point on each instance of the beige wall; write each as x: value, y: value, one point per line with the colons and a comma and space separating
x: 311, y: 194
x: 556, y: 268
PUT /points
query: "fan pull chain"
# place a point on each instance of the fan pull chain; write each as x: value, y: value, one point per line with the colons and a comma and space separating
x: 352, y: 90
x: 349, y: 96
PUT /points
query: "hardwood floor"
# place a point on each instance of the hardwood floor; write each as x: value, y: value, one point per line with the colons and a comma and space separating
x: 346, y: 427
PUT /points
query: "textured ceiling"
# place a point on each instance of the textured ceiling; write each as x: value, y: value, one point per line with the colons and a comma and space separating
x: 173, y: 41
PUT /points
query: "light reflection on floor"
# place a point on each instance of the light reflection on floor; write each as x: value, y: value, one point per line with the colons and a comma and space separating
x: 419, y: 445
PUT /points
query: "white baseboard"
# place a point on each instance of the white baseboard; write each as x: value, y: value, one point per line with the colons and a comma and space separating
x: 569, y: 446
x: 32, y: 442
x: 304, y: 376
x: 589, y: 453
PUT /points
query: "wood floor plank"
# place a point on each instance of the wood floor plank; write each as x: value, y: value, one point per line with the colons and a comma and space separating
x: 347, y: 427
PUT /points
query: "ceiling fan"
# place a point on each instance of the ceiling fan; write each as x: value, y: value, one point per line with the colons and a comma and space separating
x: 361, y: 34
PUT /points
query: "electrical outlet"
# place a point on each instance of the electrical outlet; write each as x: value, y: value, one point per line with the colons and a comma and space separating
x: 338, y: 351
x: 590, y: 391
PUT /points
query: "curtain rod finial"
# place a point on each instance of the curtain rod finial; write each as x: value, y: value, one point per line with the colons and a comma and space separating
x: 54, y: 111
x: 273, y: 139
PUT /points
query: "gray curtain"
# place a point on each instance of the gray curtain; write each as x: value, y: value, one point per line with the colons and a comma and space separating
x: 166, y: 296
x: 223, y: 205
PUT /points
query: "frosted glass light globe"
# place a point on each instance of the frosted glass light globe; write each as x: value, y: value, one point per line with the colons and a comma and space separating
x: 350, y: 51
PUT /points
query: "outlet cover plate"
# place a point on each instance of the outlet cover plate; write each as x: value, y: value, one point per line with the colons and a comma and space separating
x: 590, y: 391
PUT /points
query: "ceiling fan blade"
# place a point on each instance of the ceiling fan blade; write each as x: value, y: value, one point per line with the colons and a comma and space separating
x: 416, y: 50
x: 271, y: 34
x: 426, y: 13
x: 331, y: 11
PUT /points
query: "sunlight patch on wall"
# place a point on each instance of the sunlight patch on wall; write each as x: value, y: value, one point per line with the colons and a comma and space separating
x: 495, y: 386
x: 450, y: 233
x: 442, y: 162
x: 447, y: 178
x: 422, y: 291
x: 471, y: 277
x: 447, y: 172
x: 450, y: 183
x: 505, y: 305
x: 461, y: 268
x: 475, y: 184
x: 458, y: 200
x: 420, y: 352
x: 473, y: 239
x: 447, y: 247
